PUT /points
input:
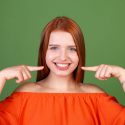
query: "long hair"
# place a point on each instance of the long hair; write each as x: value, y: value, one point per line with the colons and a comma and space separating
x: 68, y: 25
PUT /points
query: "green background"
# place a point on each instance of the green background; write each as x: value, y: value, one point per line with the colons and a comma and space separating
x: 102, y: 22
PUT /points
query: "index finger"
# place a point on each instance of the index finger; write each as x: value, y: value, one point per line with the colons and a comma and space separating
x: 92, y: 68
x: 35, y: 68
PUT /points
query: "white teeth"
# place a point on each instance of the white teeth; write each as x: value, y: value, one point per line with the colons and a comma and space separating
x: 62, y: 65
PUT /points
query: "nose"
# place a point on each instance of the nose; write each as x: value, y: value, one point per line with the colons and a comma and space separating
x: 63, y: 55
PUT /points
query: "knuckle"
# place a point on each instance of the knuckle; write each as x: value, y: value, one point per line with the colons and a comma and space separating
x: 106, y: 75
x: 25, y: 79
x: 22, y: 66
x: 102, y: 64
x: 110, y: 68
x: 30, y: 76
x: 19, y: 72
x: 96, y: 76
x: 106, y: 66
x: 101, y: 75
x: 19, y: 81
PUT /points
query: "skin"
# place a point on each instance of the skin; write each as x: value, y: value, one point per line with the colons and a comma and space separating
x: 60, y: 81
x: 61, y: 50
x: 21, y: 73
x: 104, y: 72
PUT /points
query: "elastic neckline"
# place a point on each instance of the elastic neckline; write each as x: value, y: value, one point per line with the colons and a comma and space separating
x: 54, y: 93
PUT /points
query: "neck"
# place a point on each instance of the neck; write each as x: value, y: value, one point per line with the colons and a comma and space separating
x: 63, y: 83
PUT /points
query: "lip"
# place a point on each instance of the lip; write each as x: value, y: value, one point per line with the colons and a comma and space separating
x: 61, y: 63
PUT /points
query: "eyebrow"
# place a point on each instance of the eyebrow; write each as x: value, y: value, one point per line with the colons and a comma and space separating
x: 59, y: 45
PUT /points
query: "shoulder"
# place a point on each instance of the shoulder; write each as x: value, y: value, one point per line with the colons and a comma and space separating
x: 27, y: 87
x: 92, y: 88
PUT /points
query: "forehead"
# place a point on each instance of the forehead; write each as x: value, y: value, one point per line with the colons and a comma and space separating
x: 61, y: 37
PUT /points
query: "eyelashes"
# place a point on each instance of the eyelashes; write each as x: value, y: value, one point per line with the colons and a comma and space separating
x: 56, y: 48
x: 53, y: 48
x: 73, y: 49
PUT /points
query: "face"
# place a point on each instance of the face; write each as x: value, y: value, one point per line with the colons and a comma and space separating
x: 61, y: 55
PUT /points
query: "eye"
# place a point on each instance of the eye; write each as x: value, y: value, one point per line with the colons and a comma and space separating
x: 53, y: 48
x: 72, y: 49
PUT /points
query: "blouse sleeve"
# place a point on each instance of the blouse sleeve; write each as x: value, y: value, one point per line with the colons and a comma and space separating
x: 10, y: 110
x: 112, y: 112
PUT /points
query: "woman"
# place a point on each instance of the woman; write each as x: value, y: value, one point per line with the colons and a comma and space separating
x: 59, y: 97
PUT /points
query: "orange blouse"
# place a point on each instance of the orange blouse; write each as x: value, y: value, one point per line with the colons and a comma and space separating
x: 30, y: 108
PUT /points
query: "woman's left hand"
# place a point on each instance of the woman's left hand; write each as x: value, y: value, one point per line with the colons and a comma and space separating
x: 103, y: 72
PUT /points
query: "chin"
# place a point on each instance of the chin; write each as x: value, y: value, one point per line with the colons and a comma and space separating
x: 63, y: 74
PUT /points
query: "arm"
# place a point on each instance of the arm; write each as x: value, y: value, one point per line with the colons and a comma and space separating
x: 22, y: 73
x: 123, y: 85
x: 109, y: 110
x: 2, y: 83
x: 103, y: 72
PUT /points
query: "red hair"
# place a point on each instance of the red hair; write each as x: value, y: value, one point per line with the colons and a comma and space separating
x: 68, y: 25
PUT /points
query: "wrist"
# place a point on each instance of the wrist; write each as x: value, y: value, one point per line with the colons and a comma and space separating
x: 2, y: 77
x: 2, y: 82
x: 123, y: 85
x: 121, y: 77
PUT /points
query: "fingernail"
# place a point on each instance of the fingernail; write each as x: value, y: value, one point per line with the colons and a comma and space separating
x: 42, y: 67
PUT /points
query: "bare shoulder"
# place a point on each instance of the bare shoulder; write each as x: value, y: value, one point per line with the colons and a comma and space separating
x: 92, y: 88
x: 27, y: 87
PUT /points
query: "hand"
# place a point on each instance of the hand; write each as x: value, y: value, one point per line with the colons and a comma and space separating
x: 103, y: 72
x: 22, y: 73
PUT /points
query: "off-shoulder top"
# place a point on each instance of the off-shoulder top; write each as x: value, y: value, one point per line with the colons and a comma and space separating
x: 31, y: 108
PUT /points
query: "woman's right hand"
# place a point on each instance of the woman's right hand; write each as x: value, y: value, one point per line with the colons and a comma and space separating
x: 21, y: 73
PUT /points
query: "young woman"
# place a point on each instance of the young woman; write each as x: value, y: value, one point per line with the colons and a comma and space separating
x: 59, y: 96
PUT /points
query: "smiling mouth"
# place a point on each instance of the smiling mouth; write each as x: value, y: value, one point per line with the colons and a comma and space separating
x: 61, y: 66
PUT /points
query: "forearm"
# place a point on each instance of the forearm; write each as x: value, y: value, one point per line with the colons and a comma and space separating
x: 121, y: 78
x: 123, y: 86
x: 2, y: 83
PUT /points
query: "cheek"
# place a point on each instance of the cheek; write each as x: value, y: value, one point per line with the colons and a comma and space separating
x: 49, y: 56
x: 74, y: 58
